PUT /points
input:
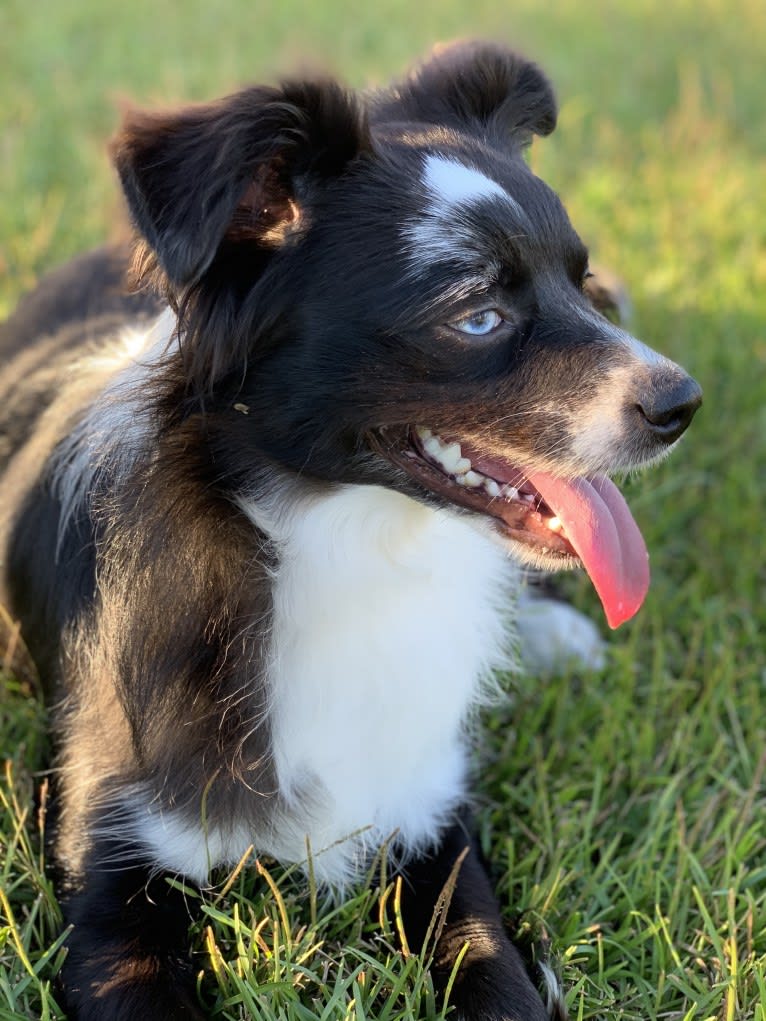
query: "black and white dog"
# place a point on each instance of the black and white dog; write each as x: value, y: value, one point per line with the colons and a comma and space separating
x: 264, y: 545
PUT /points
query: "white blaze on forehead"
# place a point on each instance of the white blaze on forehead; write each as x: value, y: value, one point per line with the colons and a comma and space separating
x: 445, y: 231
x: 453, y: 184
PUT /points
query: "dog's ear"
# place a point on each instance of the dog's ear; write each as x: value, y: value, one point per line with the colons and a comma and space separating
x: 475, y: 84
x: 238, y: 165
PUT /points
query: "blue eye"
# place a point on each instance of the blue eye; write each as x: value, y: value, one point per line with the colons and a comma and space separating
x: 480, y: 324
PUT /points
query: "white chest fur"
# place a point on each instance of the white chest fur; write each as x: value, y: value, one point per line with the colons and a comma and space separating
x: 388, y: 619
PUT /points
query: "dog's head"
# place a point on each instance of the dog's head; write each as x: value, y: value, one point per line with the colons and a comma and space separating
x: 393, y: 297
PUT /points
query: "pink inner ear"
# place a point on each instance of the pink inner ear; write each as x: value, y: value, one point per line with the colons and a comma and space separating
x: 254, y: 195
x: 266, y: 212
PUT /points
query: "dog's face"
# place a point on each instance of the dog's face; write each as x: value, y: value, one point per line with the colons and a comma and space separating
x: 396, y: 299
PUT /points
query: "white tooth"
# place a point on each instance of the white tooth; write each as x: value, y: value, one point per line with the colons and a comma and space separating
x: 433, y: 447
x: 423, y: 433
x: 450, y: 457
x: 492, y: 487
x: 462, y: 466
x: 509, y: 493
x: 555, y: 524
x: 473, y: 479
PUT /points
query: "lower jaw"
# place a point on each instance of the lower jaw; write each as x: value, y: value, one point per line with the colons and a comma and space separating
x: 534, y: 552
x: 515, y: 523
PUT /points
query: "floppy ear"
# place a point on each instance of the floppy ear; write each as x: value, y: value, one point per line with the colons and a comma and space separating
x: 192, y: 176
x: 475, y: 83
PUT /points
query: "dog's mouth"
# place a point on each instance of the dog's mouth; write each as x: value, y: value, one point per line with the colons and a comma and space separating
x: 557, y: 522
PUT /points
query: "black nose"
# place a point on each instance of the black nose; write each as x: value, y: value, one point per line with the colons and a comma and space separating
x: 668, y: 409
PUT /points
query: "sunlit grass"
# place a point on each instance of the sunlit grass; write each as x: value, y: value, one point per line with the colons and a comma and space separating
x: 624, y: 814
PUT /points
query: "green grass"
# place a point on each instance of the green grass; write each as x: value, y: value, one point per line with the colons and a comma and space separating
x: 624, y: 814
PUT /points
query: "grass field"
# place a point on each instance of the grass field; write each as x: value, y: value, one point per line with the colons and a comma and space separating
x: 625, y: 813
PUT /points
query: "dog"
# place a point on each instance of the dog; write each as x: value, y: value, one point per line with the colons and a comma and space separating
x: 265, y: 519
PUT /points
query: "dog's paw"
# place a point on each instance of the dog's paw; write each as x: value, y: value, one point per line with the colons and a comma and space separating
x: 555, y: 1003
x: 481, y: 1008
x: 554, y: 637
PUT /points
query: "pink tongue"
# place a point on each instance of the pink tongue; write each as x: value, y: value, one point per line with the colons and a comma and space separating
x: 600, y: 527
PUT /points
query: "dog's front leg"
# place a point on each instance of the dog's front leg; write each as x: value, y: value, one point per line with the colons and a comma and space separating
x: 492, y: 983
x: 127, y: 952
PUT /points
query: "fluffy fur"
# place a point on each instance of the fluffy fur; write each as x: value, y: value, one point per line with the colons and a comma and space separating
x: 266, y: 611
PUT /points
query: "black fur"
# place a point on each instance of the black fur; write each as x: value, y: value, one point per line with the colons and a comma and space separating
x: 132, y: 927
x: 317, y: 299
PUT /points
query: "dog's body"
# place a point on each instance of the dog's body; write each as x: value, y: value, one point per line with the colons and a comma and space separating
x: 242, y: 541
